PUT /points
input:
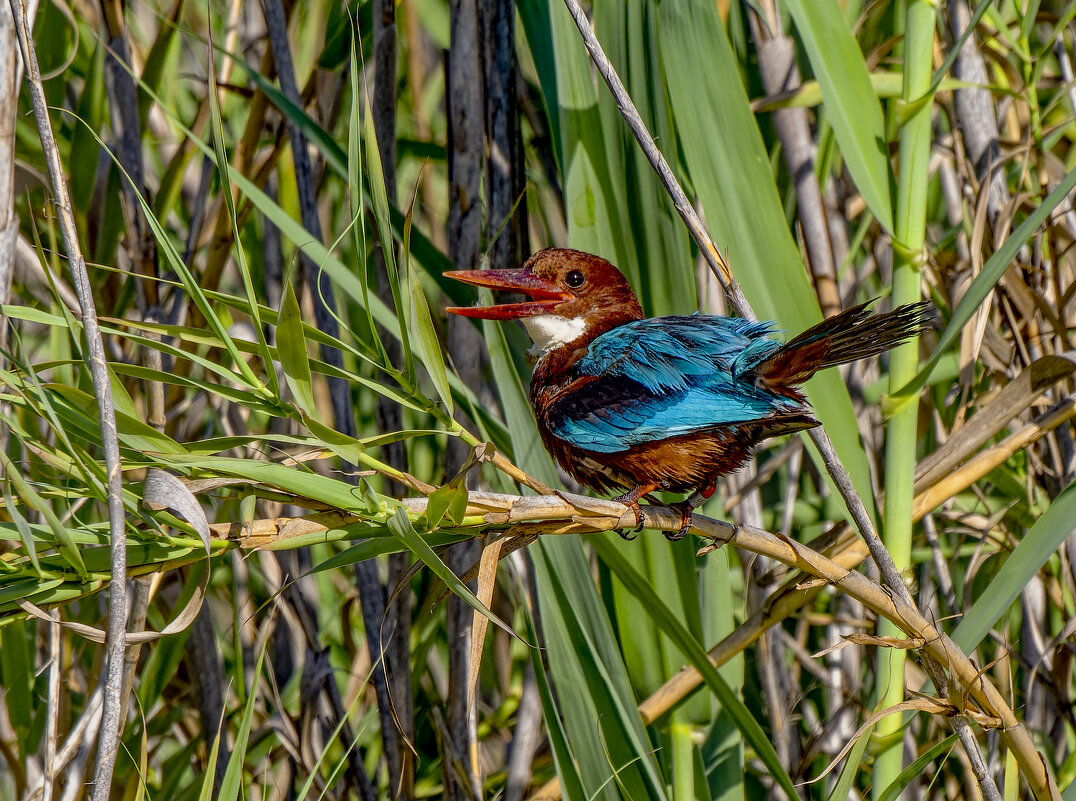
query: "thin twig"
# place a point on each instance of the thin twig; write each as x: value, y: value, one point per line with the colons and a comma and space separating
x: 856, y: 508
x: 684, y: 208
x: 53, y: 721
x: 9, y: 102
x: 95, y: 360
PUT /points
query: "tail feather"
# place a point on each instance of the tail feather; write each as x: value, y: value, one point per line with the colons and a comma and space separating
x: 853, y: 334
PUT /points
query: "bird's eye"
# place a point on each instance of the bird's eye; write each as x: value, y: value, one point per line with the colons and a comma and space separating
x: 575, y: 279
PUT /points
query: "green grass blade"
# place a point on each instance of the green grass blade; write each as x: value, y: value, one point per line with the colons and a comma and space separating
x: 64, y: 543
x: 232, y: 782
x: 217, y: 126
x: 589, y: 678
x: 401, y: 527
x: 1039, y: 544
x: 380, y: 207
x: 849, y: 99
x: 423, y: 334
x: 696, y: 655
x: 852, y: 764
x: 571, y: 782
x: 291, y: 346
x: 914, y: 770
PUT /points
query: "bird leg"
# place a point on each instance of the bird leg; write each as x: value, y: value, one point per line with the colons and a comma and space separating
x: 687, y: 509
x: 631, y: 500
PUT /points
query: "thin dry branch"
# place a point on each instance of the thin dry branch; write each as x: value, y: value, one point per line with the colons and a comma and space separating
x: 684, y: 207
x: 96, y: 362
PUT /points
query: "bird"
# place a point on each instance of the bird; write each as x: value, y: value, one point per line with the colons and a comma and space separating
x: 673, y: 403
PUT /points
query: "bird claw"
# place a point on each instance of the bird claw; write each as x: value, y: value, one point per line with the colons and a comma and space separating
x: 640, y: 520
x: 686, y: 510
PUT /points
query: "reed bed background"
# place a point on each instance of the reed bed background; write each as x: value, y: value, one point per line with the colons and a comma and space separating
x: 225, y: 369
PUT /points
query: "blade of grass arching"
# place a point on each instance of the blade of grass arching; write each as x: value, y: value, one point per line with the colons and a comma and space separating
x: 291, y: 347
x: 909, y: 238
x: 1036, y: 548
x: 914, y: 770
x: 984, y: 283
x: 230, y: 394
x: 342, y: 761
x: 356, y: 206
x: 1068, y: 795
x: 217, y: 127
x: 212, y: 367
x: 42, y: 399
x: 849, y: 100
x: 232, y: 782
x: 302, y: 483
x: 733, y: 180
x: 64, y: 544
x: 380, y: 207
x: 206, y: 793
x: 71, y: 404
x: 694, y: 653
x: 23, y: 527
x: 588, y: 676
x: 356, y: 348
x: 954, y: 51
x: 401, y: 527
x: 380, y: 547
x: 847, y: 778
x: 190, y: 284
x: 527, y: 449
x: 423, y: 334
x: 571, y: 783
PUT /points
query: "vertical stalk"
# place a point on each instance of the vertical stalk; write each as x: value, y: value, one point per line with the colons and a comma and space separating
x: 465, y: 117
x: 908, y: 241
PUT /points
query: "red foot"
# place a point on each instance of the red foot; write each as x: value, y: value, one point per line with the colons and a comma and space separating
x: 631, y: 500
x: 687, y: 507
x: 686, y: 510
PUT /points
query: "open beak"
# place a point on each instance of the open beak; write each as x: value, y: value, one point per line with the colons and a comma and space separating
x: 544, y: 295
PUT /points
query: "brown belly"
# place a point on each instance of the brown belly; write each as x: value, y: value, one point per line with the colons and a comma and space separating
x: 677, y: 464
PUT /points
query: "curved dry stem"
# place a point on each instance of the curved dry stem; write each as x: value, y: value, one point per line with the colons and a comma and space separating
x: 565, y: 513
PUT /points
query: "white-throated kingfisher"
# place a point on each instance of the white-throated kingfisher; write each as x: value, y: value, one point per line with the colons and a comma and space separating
x: 670, y: 403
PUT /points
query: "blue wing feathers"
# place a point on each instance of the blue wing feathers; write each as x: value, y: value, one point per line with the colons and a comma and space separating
x: 661, y: 353
x: 667, y: 377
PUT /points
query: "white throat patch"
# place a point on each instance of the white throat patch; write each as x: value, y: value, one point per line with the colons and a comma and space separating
x: 549, y: 331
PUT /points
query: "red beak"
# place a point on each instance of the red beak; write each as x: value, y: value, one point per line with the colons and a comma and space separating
x: 544, y: 295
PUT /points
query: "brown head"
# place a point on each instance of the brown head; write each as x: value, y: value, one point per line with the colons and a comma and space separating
x: 572, y: 295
